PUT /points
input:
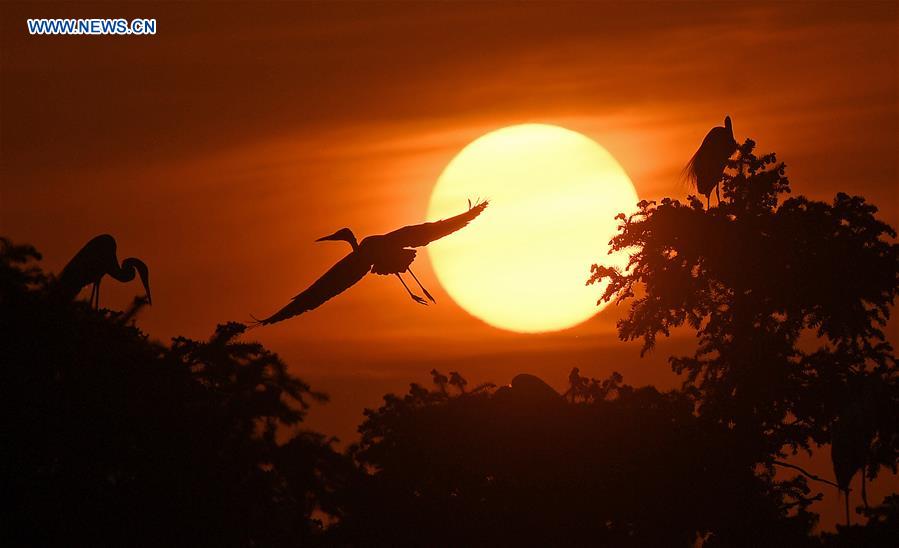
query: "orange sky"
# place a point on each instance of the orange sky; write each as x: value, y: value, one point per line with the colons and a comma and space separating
x: 220, y: 148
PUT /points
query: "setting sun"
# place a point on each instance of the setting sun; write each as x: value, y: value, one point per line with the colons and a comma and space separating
x: 554, y: 195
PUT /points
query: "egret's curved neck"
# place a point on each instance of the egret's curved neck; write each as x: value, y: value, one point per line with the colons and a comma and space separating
x: 126, y: 272
x: 351, y: 238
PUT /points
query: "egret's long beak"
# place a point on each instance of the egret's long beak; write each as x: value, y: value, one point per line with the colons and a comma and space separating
x: 328, y: 238
x: 144, y: 273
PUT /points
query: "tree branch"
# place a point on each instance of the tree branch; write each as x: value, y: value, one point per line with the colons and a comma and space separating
x: 804, y: 472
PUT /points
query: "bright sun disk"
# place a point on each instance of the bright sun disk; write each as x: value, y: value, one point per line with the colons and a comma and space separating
x: 522, y: 264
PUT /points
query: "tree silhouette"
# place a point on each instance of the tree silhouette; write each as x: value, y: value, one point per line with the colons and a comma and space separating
x: 618, y: 466
x: 788, y: 299
x: 112, y: 439
x: 881, y: 530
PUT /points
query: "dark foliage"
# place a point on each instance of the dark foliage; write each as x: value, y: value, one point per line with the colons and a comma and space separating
x: 610, y: 465
x: 788, y: 299
x: 112, y: 439
x: 881, y: 530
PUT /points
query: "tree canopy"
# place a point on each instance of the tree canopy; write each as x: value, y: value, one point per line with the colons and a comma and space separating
x: 788, y: 298
x: 607, y: 465
x: 112, y: 439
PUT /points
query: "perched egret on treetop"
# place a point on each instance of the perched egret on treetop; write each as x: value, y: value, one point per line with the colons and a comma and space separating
x: 96, y: 259
x: 706, y: 167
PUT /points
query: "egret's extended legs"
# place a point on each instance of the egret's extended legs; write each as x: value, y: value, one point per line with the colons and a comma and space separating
x: 428, y: 295
x: 95, y: 296
x: 848, y: 520
x: 415, y: 297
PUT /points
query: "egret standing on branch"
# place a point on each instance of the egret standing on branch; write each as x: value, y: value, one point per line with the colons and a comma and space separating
x: 383, y: 254
x: 96, y: 259
x: 706, y: 168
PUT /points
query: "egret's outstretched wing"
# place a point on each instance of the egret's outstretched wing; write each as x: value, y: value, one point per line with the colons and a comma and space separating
x: 425, y: 233
x: 340, y: 277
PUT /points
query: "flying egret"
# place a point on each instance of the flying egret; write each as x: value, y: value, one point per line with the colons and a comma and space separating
x: 383, y: 254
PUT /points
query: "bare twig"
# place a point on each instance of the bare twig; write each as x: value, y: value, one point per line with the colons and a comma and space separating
x: 804, y: 472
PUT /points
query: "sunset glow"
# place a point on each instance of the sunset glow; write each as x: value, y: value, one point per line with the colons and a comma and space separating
x: 288, y: 348
x: 554, y: 195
